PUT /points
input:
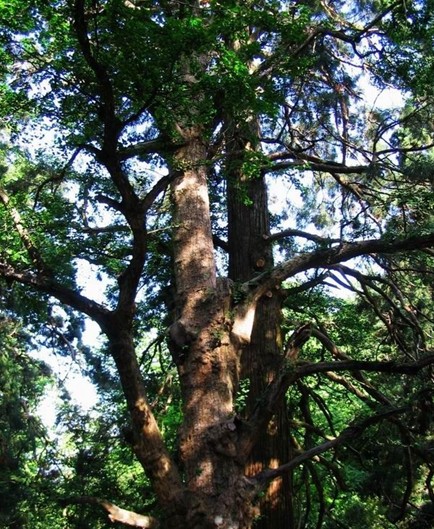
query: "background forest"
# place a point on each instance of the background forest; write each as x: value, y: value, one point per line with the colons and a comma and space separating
x: 239, y: 196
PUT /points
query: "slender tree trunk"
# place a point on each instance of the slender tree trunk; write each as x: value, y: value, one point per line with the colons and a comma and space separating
x: 149, y: 445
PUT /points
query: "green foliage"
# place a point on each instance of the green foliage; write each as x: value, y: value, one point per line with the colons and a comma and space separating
x: 351, y: 486
x: 352, y: 511
x: 98, y: 460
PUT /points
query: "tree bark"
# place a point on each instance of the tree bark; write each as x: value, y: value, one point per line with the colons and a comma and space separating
x: 217, y: 493
x: 250, y: 253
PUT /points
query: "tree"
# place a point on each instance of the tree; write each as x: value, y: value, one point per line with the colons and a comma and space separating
x: 24, y: 459
x: 170, y: 121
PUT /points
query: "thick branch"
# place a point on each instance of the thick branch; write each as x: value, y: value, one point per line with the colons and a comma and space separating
x: 158, y: 188
x: 115, y: 513
x: 148, y: 442
x: 64, y: 294
x: 269, y: 281
x: 331, y: 256
x: 114, y: 204
x: 220, y: 243
x: 155, y: 146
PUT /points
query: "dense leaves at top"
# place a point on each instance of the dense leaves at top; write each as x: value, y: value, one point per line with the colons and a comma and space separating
x: 122, y: 82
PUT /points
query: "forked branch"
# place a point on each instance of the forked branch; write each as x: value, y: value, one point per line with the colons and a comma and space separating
x: 324, y: 258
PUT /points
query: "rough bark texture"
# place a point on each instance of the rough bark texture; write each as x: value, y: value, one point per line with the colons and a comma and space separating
x: 217, y: 493
x: 272, y: 447
x: 249, y: 254
x: 195, y: 273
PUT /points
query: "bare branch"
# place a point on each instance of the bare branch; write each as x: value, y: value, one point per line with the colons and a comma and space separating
x: 106, y: 229
x: 350, y: 433
x: 381, y: 15
x: 318, y: 280
x: 406, y: 368
x: 302, y: 161
x: 303, y: 234
x: 115, y: 513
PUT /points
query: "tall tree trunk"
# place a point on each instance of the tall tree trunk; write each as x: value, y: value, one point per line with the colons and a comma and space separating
x: 263, y: 361
x: 214, y: 492
x: 249, y: 254
x: 217, y: 494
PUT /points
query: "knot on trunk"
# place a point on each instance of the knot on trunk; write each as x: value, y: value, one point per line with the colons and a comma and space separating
x: 180, y: 337
x: 223, y: 437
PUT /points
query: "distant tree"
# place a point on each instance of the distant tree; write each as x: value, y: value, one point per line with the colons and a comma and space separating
x: 24, y: 459
x: 169, y: 123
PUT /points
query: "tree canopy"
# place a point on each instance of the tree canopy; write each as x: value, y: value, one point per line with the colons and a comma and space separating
x: 240, y: 195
